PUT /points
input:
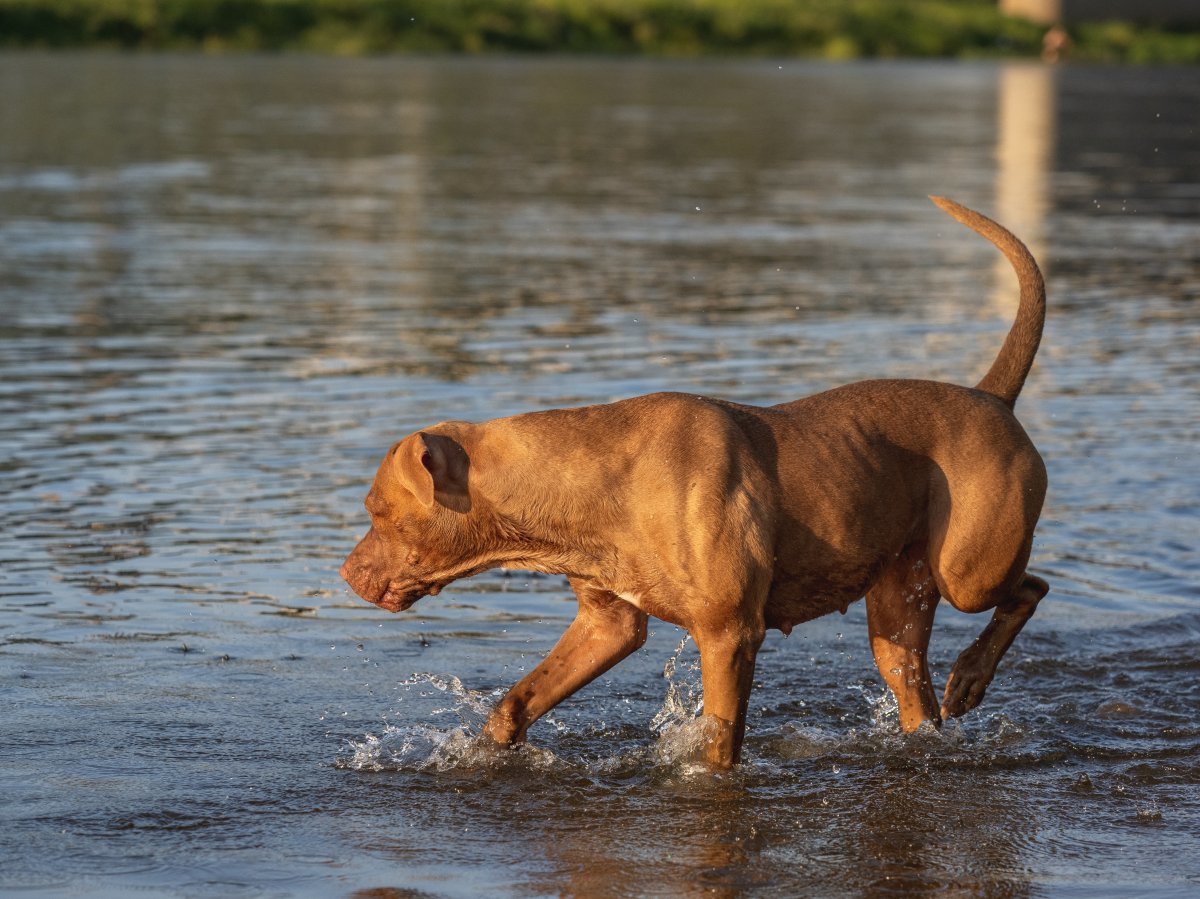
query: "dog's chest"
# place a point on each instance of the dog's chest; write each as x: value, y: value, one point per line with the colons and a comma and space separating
x: 633, y: 599
x: 655, y: 605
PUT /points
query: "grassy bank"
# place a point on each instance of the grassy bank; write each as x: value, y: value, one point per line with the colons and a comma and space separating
x: 823, y: 28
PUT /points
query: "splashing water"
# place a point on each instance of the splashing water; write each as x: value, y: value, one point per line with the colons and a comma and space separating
x: 427, y: 747
x: 685, y: 696
x: 680, y: 728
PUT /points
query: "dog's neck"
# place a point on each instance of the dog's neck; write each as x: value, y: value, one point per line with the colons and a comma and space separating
x: 529, y: 500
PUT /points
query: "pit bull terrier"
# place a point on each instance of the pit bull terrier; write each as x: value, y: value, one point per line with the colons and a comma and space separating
x: 727, y: 519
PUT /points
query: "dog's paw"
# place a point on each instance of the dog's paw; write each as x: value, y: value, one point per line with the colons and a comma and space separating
x: 966, y: 686
x: 506, y: 725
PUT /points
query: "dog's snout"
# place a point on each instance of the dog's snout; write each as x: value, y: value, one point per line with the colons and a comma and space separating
x: 358, y: 570
x: 359, y: 576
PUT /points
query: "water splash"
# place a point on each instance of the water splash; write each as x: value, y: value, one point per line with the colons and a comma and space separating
x: 685, y: 694
x: 885, y: 710
x: 680, y: 730
x: 427, y: 747
x: 447, y: 735
x: 983, y: 740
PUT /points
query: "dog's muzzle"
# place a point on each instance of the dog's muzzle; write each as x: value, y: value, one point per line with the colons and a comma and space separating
x: 402, y: 595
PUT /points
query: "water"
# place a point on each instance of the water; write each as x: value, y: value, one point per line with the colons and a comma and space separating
x: 228, y: 284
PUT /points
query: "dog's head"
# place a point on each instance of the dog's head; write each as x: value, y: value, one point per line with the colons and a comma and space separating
x: 420, y: 537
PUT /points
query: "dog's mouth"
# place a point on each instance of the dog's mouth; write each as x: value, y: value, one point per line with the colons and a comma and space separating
x: 400, y: 596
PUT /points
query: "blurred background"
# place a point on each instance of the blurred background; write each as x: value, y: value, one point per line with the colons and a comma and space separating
x: 1110, y: 30
x: 229, y: 280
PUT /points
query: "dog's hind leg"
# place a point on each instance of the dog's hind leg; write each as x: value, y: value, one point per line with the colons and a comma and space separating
x: 982, y: 519
x: 606, y: 629
x: 976, y: 665
x: 900, y: 610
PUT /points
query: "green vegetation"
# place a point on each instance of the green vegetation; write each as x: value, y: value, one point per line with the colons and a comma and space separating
x: 826, y: 28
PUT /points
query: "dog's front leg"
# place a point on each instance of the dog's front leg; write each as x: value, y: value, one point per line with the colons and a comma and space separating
x: 605, y: 630
x: 727, y: 670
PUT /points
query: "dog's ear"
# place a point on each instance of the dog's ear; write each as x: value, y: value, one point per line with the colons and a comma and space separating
x: 433, y: 467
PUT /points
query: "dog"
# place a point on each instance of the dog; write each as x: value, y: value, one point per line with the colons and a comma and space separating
x: 727, y: 519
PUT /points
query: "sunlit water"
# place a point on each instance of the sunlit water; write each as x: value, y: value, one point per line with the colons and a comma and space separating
x: 228, y: 284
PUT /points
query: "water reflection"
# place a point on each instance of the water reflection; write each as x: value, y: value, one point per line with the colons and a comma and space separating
x: 911, y: 825
x: 1025, y: 147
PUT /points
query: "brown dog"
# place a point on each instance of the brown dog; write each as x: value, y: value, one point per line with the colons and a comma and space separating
x: 728, y: 519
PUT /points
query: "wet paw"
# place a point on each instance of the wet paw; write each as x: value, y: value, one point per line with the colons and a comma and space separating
x: 966, y: 686
x: 504, y: 724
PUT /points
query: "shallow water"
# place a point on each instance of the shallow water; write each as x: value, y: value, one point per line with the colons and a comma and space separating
x: 228, y: 284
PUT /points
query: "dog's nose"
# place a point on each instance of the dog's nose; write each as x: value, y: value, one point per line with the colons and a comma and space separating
x: 344, y: 571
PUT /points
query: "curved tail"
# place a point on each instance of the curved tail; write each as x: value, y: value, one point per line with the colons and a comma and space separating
x: 1007, y: 374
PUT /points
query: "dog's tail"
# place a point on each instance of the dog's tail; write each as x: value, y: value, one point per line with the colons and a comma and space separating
x: 1007, y: 374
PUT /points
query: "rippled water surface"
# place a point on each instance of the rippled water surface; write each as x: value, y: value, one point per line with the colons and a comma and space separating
x: 228, y: 285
